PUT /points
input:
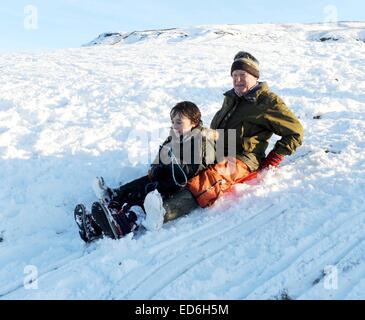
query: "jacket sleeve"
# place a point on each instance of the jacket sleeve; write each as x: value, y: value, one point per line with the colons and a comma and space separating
x: 283, y: 122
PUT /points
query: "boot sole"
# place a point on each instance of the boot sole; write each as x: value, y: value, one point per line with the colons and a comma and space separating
x: 102, y: 217
x: 80, y: 208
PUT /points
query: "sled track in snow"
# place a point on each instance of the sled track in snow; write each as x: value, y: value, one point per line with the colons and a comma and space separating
x: 357, y: 275
x: 343, y: 254
x: 62, y: 263
x: 74, y: 257
x: 158, y: 247
x: 290, y: 263
x: 211, y: 238
x: 168, y: 271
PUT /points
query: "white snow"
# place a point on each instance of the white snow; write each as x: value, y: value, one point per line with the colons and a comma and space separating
x: 70, y: 115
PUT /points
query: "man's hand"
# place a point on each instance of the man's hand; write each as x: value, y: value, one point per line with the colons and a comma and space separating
x: 272, y: 159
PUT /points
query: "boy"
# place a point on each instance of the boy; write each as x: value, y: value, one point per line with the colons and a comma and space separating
x: 188, y: 150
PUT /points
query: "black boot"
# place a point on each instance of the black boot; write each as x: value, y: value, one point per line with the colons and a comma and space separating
x: 103, y: 218
x: 116, y: 223
x: 88, y: 230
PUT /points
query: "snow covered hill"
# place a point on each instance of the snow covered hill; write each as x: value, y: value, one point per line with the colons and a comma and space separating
x: 69, y: 115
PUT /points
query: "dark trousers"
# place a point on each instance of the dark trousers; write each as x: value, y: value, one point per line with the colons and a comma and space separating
x: 133, y: 192
x: 176, y: 205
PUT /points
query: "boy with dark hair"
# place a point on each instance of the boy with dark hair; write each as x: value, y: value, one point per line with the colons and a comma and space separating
x: 188, y: 149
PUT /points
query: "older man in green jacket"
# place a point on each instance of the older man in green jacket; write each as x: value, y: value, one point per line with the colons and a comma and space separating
x: 256, y: 113
x: 253, y: 114
x: 250, y: 115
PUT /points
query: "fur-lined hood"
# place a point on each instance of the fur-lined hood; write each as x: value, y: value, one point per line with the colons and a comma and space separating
x: 199, y: 143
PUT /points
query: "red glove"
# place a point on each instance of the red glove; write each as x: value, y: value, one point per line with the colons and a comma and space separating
x: 272, y: 159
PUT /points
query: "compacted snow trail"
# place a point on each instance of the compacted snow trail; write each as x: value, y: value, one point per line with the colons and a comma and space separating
x: 69, y: 115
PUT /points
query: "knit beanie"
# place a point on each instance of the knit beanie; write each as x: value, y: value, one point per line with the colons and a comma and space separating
x: 246, y: 62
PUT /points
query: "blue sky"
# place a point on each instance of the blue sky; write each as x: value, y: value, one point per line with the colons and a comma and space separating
x: 71, y: 23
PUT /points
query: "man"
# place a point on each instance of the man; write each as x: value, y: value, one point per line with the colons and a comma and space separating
x: 254, y: 113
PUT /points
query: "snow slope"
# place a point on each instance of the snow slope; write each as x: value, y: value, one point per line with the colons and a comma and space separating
x: 69, y: 115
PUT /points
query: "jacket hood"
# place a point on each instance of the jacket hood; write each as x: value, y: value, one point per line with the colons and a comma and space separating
x: 207, y: 133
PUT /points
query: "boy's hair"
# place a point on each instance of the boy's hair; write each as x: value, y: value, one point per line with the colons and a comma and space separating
x: 189, y: 110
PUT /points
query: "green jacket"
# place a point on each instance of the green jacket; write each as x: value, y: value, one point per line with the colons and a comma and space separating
x: 264, y: 114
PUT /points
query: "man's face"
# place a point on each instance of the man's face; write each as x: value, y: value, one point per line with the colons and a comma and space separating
x: 243, y: 81
x: 181, y: 124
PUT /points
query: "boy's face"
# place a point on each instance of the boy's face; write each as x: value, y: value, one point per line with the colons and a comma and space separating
x: 181, y: 124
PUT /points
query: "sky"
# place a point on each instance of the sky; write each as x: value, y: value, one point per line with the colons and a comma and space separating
x: 34, y: 25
